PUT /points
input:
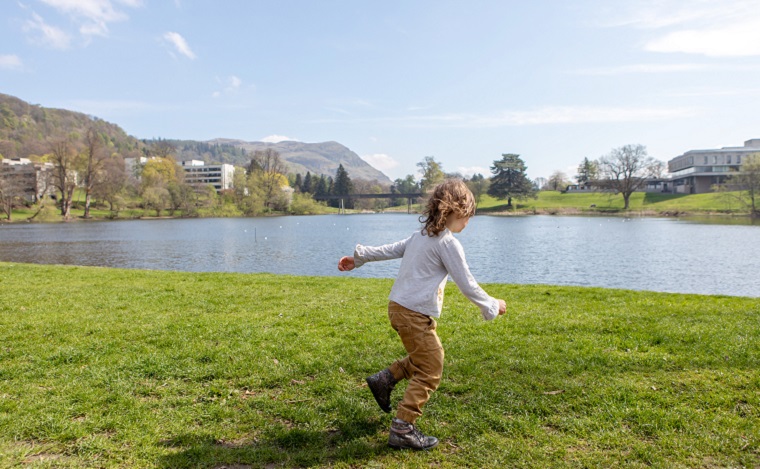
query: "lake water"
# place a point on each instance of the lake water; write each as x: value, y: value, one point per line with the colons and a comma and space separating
x: 657, y: 254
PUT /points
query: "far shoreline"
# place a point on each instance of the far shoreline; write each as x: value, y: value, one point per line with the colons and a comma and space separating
x: 558, y: 212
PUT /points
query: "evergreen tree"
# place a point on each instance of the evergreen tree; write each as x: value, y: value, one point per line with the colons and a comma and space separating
x: 588, y: 171
x: 320, y: 186
x: 298, y: 183
x: 510, y: 179
x: 307, y: 184
x: 343, y: 186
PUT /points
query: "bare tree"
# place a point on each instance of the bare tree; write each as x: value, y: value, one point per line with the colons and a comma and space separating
x: 747, y: 181
x: 625, y: 170
x: 162, y: 149
x: 12, y: 193
x: 112, y: 181
x: 558, y: 181
x: 94, y: 157
x: 64, y: 158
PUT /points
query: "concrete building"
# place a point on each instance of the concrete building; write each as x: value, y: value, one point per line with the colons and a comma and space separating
x: 197, y: 173
x: 697, y: 171
x: 34, y: 180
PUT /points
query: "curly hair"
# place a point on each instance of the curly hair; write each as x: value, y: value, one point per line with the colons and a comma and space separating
x: 449, y: 197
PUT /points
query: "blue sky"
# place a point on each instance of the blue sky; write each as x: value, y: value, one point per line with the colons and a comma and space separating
x: 395, y: 81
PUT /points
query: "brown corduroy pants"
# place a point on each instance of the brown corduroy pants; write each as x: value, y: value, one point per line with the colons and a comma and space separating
x: 422, y: 366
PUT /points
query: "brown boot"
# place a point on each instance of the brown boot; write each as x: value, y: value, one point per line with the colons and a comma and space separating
x: 404, y: 435
x: 381, y: 384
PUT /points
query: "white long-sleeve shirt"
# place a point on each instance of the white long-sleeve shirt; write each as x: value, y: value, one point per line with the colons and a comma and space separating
x: 426, y: 263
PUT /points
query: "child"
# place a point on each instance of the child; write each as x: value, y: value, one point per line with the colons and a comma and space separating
x: 429, y: 256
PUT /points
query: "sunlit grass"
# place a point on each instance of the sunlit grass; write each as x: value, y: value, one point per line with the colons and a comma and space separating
x: 548, y: 201
x: 128, y: 368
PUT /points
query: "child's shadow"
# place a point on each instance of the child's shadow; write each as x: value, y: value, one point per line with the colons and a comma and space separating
x: 352, y: 441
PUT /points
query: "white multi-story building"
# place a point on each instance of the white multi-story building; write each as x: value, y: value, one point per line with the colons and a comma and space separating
x: 197, y: 173
x: 697, y: 171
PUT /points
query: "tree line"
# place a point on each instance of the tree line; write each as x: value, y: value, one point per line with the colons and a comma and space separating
x: 94, y: 164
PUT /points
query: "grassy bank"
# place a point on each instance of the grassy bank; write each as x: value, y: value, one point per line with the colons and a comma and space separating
x: 547, y: 202
x: 107, y: 367
x: 640, y: 203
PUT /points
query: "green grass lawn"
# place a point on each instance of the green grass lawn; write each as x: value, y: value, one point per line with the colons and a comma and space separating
x: 549, y: 201
x: 127, y: 368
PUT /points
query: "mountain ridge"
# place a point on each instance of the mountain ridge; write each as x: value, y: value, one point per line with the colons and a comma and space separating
x: 25, y: 128
x: 317, y: 158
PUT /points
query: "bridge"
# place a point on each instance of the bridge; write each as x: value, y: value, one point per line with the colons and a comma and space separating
x: 342, y: 198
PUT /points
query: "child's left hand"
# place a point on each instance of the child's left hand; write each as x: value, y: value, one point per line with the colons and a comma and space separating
x: 346, y: 263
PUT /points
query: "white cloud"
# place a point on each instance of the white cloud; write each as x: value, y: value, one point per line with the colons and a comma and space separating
x: 92, y: 16
x: 714, y: 28
x: 642, y: 68
x: 10, y: 62
x: 701, y: 92
x: 380, y: 161
x: 180, y: 44
x: 45, y: 34
x: 277, y: 139
x: 230, y: 85
x: 469, y: 171
x: 735, y: 40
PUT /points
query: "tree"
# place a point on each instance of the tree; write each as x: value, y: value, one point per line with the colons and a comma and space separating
x: 308, y: 183
x: 95, y: 154
x: 588, y: 172
x: 432, y: 173
x: 112, y: 182
x: 271, y: 173
x: 478, y: 185
x: 239, y: 184
x: 156, y: 198
x: 626, y: 169
x: 298, y: 183
x: 253, y: 199
x: 11, y: 194
x: 747, y: 180
x: 65, y: 158
x: 558, y: 181
x: 510, y: 179
x: 160, y: 172
x: 343, y: 186
x: 163, y: 149
x: 184, y: 197
x: 401, y: 186
x: 363, y: 186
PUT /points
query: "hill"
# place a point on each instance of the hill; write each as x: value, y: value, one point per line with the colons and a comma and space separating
x: 25, y: 128
x: 317, y: 158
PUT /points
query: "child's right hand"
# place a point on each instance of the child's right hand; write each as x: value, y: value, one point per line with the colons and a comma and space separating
x: 346, y: 263
x: 502, y: 307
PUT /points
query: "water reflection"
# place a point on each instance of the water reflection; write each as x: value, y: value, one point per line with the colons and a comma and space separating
x: 643, y: 253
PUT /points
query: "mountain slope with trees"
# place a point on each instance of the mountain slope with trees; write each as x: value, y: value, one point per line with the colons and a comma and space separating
x: 318, y: 158
x: 25, y: 131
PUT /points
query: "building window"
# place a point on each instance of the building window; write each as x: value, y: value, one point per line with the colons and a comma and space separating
x: 728, y: 159
x: 738, y: 159
x: 715, y: 159
x: 690, y: 160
